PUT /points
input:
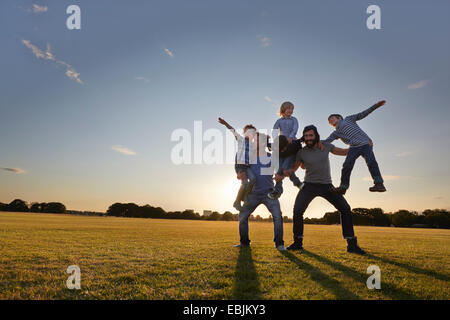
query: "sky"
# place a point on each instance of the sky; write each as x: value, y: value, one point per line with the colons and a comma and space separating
x: 87, y: 115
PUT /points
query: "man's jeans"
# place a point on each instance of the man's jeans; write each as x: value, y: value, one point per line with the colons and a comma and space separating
x: 366, y: 152
x: 272, y: 205
x: 308, y: 193
x: 286, y: 163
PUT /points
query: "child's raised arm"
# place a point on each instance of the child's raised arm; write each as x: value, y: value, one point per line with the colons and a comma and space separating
x: 331, y: 138
x: 226, y: 124
x: 365, y: 113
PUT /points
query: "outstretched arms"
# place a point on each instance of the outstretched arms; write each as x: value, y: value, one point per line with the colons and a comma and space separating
x: 226, y: 124
x: 365, y: 113
x: 332, y: 137
x: 339, y: 151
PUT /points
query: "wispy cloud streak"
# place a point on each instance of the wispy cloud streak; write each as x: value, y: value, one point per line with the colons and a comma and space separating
x: 39, y: 9
x: 15, y: 170
x: 418, y: 85
x: 71, y: 73
x: 168, y: 52
x: 123, y: 150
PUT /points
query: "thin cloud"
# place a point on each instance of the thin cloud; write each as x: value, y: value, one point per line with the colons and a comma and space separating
x: 142, y: 79
x: 123, y: 150
x: 270, y: 100
x: 438, y: 198
x: 265, y: 41
x: 71, y: 73
x: 168, y: 52
x: 418, y: 85
x: 404, y: 154
x: 39, y: 9
x: 15, y: 170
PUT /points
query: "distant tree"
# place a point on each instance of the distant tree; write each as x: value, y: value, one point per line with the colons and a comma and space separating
x: 227, y: 216
x: 190, y: 215
x: 214, y: 216
x: 332, y: 217
x: 53, y: 207
x: 124, y: 210
x: 36, y: 207
x: 404, y: 218
x: 437, y: 218
x: 18, y: 206
x: 3, y: 207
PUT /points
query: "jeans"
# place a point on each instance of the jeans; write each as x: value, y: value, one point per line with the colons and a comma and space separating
x: 254, y: 200
x: 308, y: 193
x: 286, y: 163
x: 366, y: 152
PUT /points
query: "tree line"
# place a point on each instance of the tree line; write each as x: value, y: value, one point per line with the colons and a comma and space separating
x: 437, y: 218
x: 44, y: 207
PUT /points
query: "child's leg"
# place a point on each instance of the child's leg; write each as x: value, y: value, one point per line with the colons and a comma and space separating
x: 278, y: 189
x: 240, y: 195
x: 251, y: 180
x: 372, y: 164
x: 288, y: 165
x: 347, y: 167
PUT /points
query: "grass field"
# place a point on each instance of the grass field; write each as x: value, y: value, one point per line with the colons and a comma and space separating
x: 128, y: 258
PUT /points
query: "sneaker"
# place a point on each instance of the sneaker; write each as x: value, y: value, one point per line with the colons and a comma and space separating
x: 281, y: 248
x: 352, y: 246
x: 237, y: 205
x: 295, y: 246
x: 378, y: 187
x: 273, y: 195
x: 241, y: 245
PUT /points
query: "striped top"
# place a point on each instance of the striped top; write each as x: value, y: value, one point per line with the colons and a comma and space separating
x: 348, y: 130
x: 244, y: 153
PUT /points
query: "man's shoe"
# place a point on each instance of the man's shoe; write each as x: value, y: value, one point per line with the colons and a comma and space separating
x: 378, y: 187
x: 241, y: 245
x: 295, y: 246
x: 273, y: 195
x: 281, y: 248
x: 352, y: 246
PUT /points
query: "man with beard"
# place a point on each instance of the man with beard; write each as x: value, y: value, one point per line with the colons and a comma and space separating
x: 318, y: 184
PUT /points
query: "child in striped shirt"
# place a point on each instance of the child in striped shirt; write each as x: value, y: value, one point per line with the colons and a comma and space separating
x: 360, y: 145
x: 244, y: 157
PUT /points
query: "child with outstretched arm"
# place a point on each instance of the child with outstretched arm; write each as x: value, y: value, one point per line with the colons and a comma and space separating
x: 242, y: 162
x: 360, y: 145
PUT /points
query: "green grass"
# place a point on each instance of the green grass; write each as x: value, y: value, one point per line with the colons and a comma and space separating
x: 123, y: 258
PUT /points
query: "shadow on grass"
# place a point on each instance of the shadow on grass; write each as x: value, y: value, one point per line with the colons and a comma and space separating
x: 386, y: 288
x: 246, y: 284
x: 413, y: 269
x: 322, y: 279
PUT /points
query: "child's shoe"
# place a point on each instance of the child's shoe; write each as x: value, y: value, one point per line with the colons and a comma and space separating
x: 378, y: 187
x: 273, y: 195
x: 340, y: 190
x: 237, y: 205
